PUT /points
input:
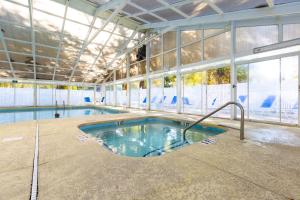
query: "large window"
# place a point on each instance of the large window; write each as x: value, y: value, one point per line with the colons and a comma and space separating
x: 169, y: 44
x: 291, y: 31
x: 191, y: 47
x: 218, y: 90
x: 138, y: 95
x: 216, y: 43
x: 156, y: 54
x: 269, y: 89
x: 194, y: 93
x: 169, y: 93
x: 109, y: 95
x: 248, y: 38
x: 156, y: 92
x: 122, y: 94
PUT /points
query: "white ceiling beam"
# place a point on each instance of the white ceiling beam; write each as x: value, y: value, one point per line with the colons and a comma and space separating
x: 7, y: 54
x: 30, y: 3
x: 270, y: 3
x: 214, y: 6
x: 61, y: 39
x: 87, y: 41
x: 173, y: 8
x: 277, y: 10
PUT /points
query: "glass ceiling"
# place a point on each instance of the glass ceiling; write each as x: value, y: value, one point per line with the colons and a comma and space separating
x: 51, y: 40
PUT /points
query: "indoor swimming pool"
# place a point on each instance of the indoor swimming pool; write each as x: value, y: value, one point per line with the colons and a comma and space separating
x: 27, y: 114
x: 148, y: 136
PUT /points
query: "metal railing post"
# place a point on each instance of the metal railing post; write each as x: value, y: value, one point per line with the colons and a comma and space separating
x: 242, y: 131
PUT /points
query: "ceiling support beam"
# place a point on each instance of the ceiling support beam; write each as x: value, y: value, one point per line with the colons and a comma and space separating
x: 7, y: 54
x: 61, y: 39
x: 214, y: 6
x: 87, y: 41
x: 252, y: 14
x: 30, y: 3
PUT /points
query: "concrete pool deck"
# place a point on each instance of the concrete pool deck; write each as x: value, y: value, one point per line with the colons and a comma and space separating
x: 266, y: 165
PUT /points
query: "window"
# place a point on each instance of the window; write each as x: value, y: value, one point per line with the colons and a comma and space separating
x: 291, y: 31
x: 121, y: 94
x: 191, y: 47
x: 218, y: 90
x: 169, y: 44
x: 248, y: 38
x: 194, y: 93
x: 217, y: 45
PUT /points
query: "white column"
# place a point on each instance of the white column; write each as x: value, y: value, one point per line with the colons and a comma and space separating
x: 114, y: 88
x: 178, y: 76
x: 34, y: 94
x: 148, y: 74
x: 233, y: 78
x: 127, y: 80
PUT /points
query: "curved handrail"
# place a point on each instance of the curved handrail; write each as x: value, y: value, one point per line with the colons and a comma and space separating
x: 217, y: 110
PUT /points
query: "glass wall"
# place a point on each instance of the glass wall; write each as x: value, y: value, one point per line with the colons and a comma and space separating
x: 191, y: 47
x: 156, y: 93
x: 269, y: 90
x: 100, y: 94
x: 218, y: 90
x: 109, y: 95
x: 122, y: 93
x: 169, y: 99
x: 248, y: 38
x: 194, y: 93
x: 205, y: 91
x: 138, y: 95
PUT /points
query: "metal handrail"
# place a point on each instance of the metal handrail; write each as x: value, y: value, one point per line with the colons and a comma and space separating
x: 217, y: 110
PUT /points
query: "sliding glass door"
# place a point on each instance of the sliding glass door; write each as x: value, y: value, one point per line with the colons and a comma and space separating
x: 268, y: 90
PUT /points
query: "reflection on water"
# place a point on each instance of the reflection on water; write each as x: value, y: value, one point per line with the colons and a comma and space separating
x: 138, y: 138
x: 17, y: 115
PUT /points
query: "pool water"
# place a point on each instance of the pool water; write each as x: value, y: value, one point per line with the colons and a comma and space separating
x: 148, y: 136
x: 26, y: 114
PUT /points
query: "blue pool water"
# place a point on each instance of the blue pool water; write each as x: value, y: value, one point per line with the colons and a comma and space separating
x: 26, y: 114
x: 147, y: 136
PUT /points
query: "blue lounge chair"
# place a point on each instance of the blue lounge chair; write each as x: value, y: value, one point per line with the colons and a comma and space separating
x: 145, y: 100
x: 87, y: 100
x: 174, y: 100
x: 214, y: 101
x: 186, y: 101
x: 268, y: 102
x: 163, y: 99
x: 242, y: 98
x: 102, y: 100
x: 153, y: 99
